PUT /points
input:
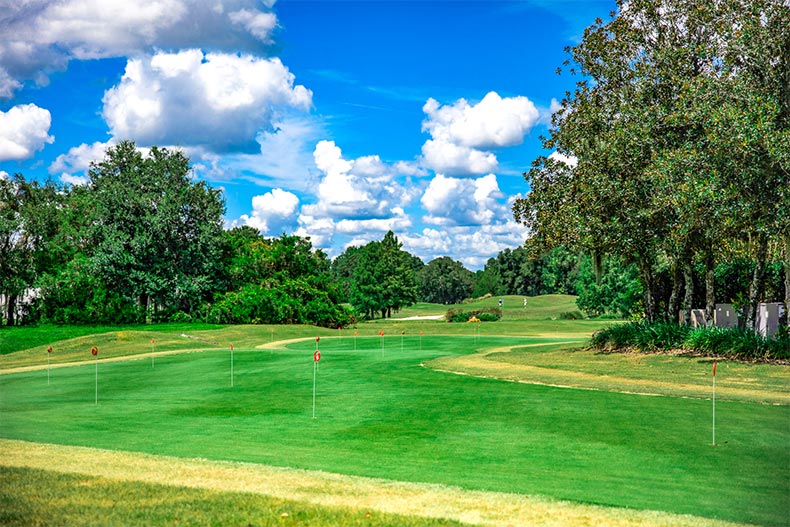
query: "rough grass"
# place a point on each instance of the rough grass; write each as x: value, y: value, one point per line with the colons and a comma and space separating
x: 641, y: 373
x: 102, y: 487
x: 44, y: 497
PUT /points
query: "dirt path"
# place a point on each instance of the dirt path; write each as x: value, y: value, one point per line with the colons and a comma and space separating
x: 336, y: 490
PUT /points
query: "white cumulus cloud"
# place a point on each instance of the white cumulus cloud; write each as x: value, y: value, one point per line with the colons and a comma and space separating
x: 273, y: 212
x: 217, y: 101
x: 40, y: 36
x: 463, y: 135
x: 571, y: 160
x: 79, y: 158
x: 24, y: 129
x: 460, y: 201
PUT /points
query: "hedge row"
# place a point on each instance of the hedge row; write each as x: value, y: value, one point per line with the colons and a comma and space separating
x: 488, y: 314
x: 663, y: 336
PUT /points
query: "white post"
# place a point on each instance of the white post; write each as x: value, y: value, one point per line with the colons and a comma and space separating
x: 714, y: 409
x: 714, y: 404
x: 231, y: 365
x: 314, y: 368
x: 152, y: 353
x: 97, y: 379
x: 47, y: 369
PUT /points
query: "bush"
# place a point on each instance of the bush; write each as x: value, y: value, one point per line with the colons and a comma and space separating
x: 571, y: 315
x: 489, y: 314
x: 733, y: 343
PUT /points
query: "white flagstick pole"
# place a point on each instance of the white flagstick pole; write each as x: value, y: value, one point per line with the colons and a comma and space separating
x: 714, y: 403
x: 49, y: 351
x: 231, y: 365
x: 95, y: 352
x: 316, y: 358
x: 152, y: 352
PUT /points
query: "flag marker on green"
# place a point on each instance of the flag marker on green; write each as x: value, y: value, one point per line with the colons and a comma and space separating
x: 714, y: 403
x: 95, y: 353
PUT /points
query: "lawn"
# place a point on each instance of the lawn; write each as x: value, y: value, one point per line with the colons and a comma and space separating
x: 392, y: 408
x: 380, y: 412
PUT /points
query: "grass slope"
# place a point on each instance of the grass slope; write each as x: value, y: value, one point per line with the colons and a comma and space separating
x: 355, y: 497
x: 39, y: 497
x: 381, y: 414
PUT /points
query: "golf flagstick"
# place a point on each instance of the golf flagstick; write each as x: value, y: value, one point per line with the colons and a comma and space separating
x: 95, y: 353
x: 714, y: 403
x: 316, y: 358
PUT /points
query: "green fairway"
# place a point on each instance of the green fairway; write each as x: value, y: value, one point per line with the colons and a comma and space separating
x: 381, y: 413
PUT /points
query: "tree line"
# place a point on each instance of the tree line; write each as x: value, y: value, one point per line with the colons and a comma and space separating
x: 673, y: 152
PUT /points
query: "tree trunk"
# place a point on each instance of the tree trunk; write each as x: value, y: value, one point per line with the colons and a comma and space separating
x: 648, y: 283
x: 688, y: 296
x: 787, y: 280
x: 758, y: 281
x: 10, y: 308
x: 710, y: 286
x: 674, y: 297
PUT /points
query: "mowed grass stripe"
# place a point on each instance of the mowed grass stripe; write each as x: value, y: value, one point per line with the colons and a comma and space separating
x: 335, y: 492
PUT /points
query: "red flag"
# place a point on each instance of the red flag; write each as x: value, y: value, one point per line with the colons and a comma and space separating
x: 714, y: 368
x: 49, y: 349
x: 317, y: 339
x: 94, y: 351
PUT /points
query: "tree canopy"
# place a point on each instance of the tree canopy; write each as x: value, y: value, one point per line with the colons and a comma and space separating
x: 674, y: 145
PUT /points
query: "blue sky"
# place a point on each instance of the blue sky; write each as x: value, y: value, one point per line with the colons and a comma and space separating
x: 337, y: 120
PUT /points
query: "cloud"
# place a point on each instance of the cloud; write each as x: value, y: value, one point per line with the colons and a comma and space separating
x: 471, y: 245
x: 458, y: 201
x: 216, y: 101
x: 74, y: 180
x: 3, y: 174
x: 40, y: 36
x: 571, y: 161
x: 360, y: 189
x: 273, y: 212
x: 360, y: 198
x: 24, y: 129
x: 79, y: 158
x: 462, y: 135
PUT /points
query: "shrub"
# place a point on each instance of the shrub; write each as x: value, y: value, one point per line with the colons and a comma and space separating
x: 733, y: 343
x: 571, y: 315
x: 489, y: 314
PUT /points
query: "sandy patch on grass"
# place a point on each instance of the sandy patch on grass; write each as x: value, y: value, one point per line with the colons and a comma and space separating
x: 482, y: 365
x: 336, y: 490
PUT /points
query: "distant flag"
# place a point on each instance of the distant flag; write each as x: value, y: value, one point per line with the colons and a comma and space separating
x: 49, y: 352
x: 714, y: 368
x: 95, y: 353
x: 316, y: 358
x: 231, y: 365
x: 152, y: 352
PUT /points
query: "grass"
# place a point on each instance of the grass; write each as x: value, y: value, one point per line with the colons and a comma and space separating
x: 38, y: 497
x: 657, y: 374
x: 359, y: 496
x: 382, y: 415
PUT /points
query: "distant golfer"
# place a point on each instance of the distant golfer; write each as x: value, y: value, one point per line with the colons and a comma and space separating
x: 500, y: 302
x: 525, y: 302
